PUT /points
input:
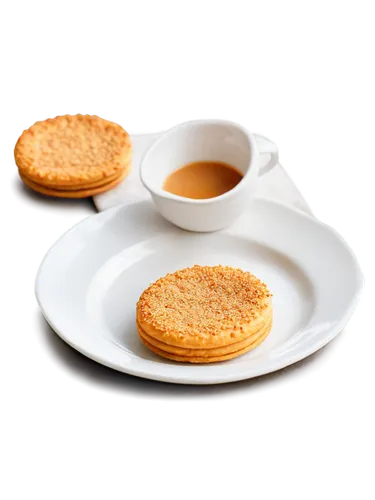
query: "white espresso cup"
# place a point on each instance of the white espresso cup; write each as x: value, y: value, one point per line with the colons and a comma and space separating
x: 205, y: 140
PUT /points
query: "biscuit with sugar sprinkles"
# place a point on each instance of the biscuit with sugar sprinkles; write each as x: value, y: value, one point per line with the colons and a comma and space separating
x: 72, y: 149
x: 204, y: 313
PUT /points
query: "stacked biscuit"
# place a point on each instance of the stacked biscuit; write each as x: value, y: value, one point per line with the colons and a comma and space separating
x: 204, y: 314
x: 73, y: 156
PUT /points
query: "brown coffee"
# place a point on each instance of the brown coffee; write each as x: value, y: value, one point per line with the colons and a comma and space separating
x: 202, y: 179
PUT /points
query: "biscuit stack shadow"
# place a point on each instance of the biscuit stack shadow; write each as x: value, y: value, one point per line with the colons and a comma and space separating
x: 73, y: 156
x: 204, y: 314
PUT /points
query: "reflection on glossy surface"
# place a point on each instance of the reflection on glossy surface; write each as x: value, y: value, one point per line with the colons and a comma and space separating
x: 309, y: 333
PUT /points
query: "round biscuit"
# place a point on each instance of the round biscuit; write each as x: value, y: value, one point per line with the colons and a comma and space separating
x: 81, y: 193
x: 204, y: 307
x: 213, y: 351
x: 212, y: 359
x: 72, y: 149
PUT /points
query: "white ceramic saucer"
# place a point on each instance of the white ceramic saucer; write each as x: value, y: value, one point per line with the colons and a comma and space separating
x: 90, y: 280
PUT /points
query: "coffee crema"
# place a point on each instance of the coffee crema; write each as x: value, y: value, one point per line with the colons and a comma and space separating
x: 202, y: 179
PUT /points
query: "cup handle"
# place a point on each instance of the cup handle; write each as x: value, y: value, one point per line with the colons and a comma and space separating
x: 265, y: 146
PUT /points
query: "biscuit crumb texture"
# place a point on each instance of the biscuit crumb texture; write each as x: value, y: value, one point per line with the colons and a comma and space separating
x: 76, y: 148
x: 203, y: 300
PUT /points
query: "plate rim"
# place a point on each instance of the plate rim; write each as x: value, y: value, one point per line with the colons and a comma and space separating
x: 271, y: 366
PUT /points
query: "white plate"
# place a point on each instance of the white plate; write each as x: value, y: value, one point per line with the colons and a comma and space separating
x: 275, y: 185
x: 90, y: 280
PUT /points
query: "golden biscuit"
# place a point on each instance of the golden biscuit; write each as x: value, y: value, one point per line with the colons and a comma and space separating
x: 84, y: 185
x: 213, y: 359
x: 88, y: 185
x: 205, y: 353
x: 69, y: 150
x: 78, y: 193
x: 204, y: 307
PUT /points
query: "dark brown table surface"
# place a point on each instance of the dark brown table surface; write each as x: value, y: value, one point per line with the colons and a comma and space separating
x: 90, y: 373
